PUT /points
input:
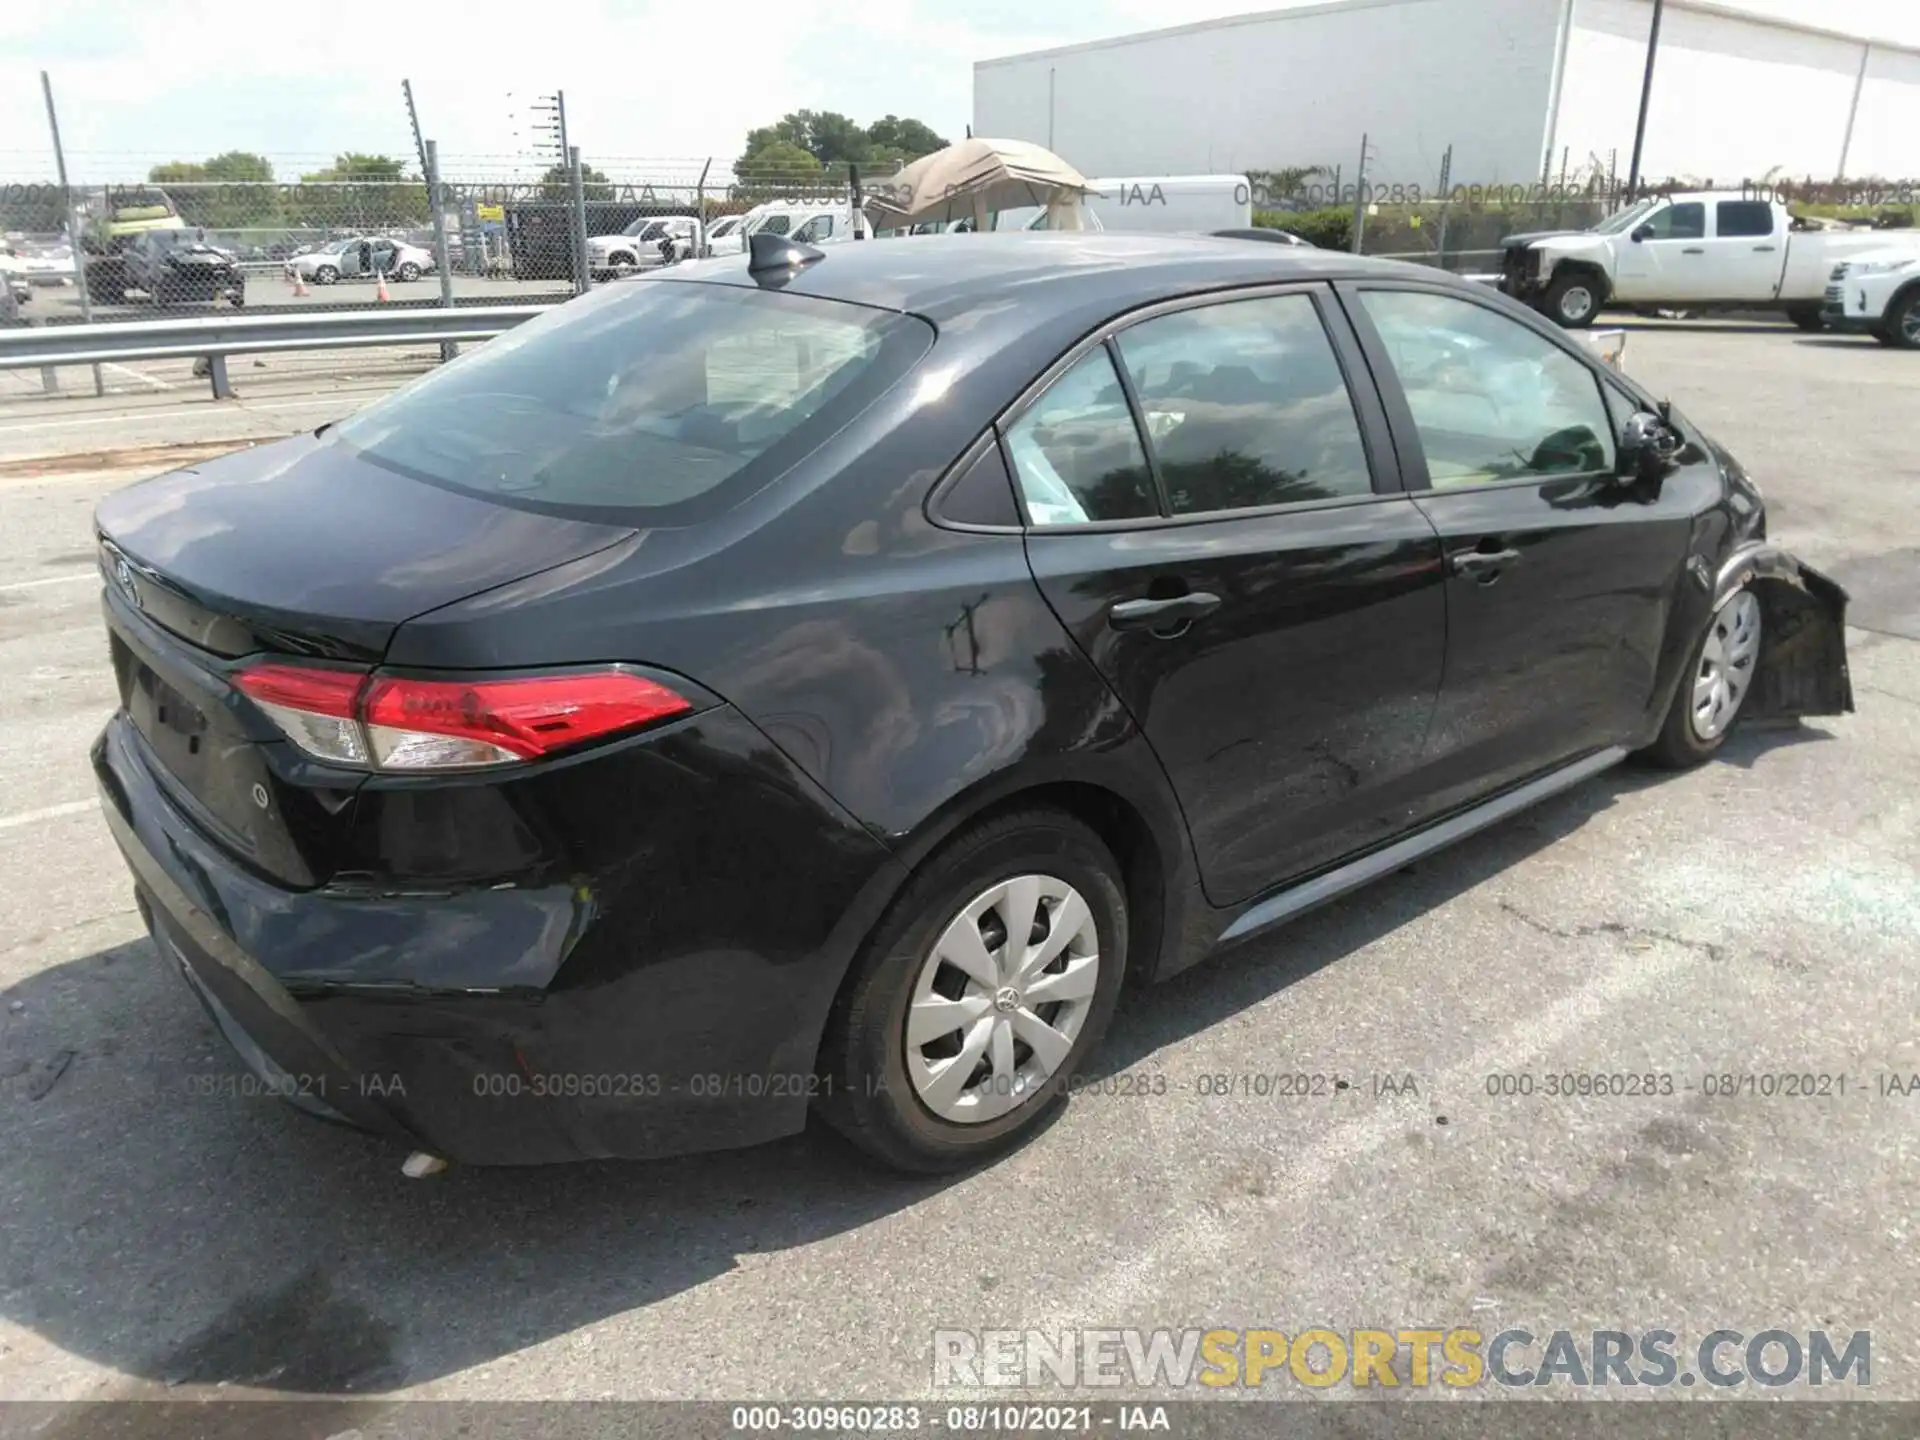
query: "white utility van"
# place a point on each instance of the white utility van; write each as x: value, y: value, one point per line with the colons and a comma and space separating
x: 1153, y: 203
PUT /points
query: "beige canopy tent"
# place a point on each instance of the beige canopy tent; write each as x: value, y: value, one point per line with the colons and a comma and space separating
x: 972, y: 179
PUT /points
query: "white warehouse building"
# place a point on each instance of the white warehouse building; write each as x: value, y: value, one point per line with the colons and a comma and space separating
x: 1742, y: 88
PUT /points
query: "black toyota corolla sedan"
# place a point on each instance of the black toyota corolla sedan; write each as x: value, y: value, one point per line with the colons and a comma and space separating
x: 812, y: 683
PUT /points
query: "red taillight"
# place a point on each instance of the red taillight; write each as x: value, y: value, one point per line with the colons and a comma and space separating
x: 401, y: 723
x: 515, y: 719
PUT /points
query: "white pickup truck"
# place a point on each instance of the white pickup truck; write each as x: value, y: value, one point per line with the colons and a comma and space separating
x: 1877, y: 293
x: 1704, y: 250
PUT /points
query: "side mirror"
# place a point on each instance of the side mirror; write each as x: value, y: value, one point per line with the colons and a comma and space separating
x: 1648, y: 444
x: 1641, y: 232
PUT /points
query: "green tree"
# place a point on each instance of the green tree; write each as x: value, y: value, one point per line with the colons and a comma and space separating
x: 232, y: 191
x: 835, y: 141
x: 355, y: 166
x: 359, y: 192
x: 555, y: 184
x: 776, y: 161
x: 910, y: 137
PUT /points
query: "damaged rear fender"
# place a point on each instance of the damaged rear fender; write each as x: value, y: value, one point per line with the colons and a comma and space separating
x: 1803, y: 647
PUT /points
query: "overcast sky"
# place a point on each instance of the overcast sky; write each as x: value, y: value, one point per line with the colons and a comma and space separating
x: 141, y: 81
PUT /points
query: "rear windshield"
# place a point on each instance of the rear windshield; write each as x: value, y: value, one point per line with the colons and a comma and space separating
x: 649, y: 402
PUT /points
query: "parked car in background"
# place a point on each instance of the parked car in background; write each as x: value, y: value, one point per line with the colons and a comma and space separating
x: 1701, y: 250
x: 638, y: 246
x: 178, y: 267
x: 42, y: 265
x: 361, y: 258
x: 1877, y: 293
x: 722, y: 229
x: 817, y: 684
x: 809, y: 224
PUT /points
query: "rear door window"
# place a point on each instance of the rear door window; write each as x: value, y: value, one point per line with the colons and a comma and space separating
x: 1076, y: 453
x: 1742, y: 219
x: 649, y: 403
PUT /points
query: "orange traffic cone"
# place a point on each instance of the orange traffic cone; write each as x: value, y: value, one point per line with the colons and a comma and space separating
x: 299, y: 283
x: 380, y: 293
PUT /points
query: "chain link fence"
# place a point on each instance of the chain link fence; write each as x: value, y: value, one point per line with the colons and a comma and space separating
x: 152, y: 248
x: 491, y: 230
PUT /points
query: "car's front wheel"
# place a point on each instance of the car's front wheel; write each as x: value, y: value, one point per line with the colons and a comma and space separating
x: 1572, y: 301
x: 325, y: 275
x: 988, y: 981
x: 1902, y: 327
x: 1708, y: 700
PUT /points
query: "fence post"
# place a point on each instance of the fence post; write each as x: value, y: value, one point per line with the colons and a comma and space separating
x: 437, y: 202
x: 73, y: 225
x: 1360, y: 201
x: 703, y: 250
x: 1446, y: 206
x: 582, y: 279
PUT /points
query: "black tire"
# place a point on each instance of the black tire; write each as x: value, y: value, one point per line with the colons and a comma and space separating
x: 1562, y: 302
x: 1900, y: 330
x: 326, y: 275
x: 1806, y: 317
x: 871, y: 1099
x: 105, y: 289
x: 1679, y: 745
x: 409, y: 271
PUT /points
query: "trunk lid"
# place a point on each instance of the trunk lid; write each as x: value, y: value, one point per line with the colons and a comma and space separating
x: 303, y: 547
x: 298, y: 548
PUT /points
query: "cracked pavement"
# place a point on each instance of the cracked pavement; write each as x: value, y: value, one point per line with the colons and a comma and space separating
x: 1758, y: 915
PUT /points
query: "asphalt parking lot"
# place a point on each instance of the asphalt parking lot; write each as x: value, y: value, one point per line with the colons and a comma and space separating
x: 1760, y: 915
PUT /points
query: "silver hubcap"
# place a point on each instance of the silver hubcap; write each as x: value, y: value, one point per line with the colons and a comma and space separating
x: 1577, y: 303
x: 1726, y: 665
x: 1910, y: 324
x: 1001, y: 998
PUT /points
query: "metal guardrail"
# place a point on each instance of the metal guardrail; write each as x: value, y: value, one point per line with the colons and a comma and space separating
x: 215, y: 337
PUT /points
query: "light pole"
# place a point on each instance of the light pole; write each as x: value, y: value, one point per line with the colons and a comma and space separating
x: 1646, y: 95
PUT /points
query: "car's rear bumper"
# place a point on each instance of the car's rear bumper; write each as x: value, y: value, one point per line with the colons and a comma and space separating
x: 691, y: 1047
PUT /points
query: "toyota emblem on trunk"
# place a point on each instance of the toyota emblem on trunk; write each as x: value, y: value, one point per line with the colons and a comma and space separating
x: 123, y: 572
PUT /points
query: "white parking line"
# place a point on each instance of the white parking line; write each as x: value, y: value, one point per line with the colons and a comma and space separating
x: 138, y: 375
x: 253, y: 407
x: 1131, y: 1282
x: 51, y: 812
x: 50, y: 580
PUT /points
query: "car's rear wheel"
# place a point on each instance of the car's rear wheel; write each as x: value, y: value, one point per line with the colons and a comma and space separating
x: 1709, y: 697
x: 986, y: 984
x: 409, y: 271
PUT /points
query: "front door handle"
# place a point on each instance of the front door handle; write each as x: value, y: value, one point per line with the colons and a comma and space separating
x: 1765, y: 249
x: 1694, y: 250
x: 1480, y: 564
x: 1150, y: 614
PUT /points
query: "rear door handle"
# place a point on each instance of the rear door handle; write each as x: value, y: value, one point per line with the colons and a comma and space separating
x: 1479, y: 562
x: 1765, y: 249
x: 1147, y: 614
x: 1694, y: 250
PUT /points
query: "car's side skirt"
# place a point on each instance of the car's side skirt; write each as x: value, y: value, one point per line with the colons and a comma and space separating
x: 1284, y: 904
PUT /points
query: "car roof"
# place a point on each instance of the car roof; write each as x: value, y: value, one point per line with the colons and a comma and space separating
x: 942, y: 277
